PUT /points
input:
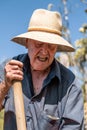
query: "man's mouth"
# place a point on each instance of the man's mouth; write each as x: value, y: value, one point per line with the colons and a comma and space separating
x: 42, y: 59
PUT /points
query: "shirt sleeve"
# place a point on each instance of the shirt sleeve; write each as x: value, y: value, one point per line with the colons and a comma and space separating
x: 1, y: 73
x: 74, y: 111
x: 2, y: 65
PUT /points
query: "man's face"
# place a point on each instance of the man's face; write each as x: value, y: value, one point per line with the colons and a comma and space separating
x: 41, y: 54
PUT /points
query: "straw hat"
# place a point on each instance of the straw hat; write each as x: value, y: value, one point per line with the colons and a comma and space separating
x: 45, y: 26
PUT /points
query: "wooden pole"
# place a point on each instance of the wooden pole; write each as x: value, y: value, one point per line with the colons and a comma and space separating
x: 19, y: 105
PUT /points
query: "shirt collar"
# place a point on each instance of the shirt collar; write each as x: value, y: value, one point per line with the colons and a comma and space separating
x: 55, y: 70
x: 26, y: 63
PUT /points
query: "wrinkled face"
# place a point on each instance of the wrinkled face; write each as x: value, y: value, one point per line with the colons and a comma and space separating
x: 41, y: 54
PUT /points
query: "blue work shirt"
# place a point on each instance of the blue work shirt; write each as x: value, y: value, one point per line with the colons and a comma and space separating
x: 58, y: 106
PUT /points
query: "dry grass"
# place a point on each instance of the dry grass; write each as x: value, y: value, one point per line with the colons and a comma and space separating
x: 1, y: 119
x: 85, y: 114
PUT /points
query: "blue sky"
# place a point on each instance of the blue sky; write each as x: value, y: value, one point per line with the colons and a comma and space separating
x: 15, y: 15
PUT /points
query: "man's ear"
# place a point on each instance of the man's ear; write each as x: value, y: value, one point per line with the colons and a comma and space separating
x: 26, y: 45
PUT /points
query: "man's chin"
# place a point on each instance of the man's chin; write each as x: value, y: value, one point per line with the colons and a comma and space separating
x: 39, y: 69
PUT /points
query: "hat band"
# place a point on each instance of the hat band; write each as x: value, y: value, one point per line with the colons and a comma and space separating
x: 45, y: 30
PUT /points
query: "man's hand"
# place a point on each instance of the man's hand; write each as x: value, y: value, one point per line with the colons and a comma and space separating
x: 13, y: 71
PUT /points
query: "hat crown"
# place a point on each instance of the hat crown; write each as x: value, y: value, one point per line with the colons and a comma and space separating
x: 45, y: 20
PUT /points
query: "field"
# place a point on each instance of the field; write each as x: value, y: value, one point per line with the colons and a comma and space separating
x: 1, y: 119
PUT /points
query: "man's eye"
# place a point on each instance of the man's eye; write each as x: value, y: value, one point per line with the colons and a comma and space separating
x: 38, y: 45
x: 52, y: 47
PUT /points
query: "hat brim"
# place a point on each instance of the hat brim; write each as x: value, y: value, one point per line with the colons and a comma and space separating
x: 45, y: 37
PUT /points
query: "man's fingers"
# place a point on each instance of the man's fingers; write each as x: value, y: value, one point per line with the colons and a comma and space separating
x: 15, y: 62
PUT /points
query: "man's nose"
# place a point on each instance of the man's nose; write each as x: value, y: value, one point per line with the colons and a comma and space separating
x: 45, y: 49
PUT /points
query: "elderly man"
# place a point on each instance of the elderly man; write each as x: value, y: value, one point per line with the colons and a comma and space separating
x: 52, y: 98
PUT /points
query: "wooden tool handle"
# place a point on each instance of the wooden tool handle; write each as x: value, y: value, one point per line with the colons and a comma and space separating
x: 19, y: 105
